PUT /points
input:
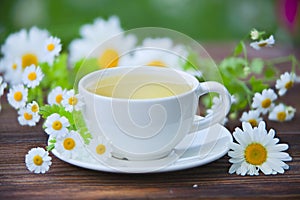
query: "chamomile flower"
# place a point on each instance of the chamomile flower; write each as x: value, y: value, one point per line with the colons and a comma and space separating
x: 285, y: 82
x: 70, y: 145
x: 26, y: 47
x: 257, y: 150
x: 32, y: 76
x: 254, y: 34
x: 282, y: 113
x: 52, y: 49
x: 17, y: 96
x: 71, y: 101
x: 253, y: 117
x: 161, y: 52
x: 38, y: 160
x: 33, y: 107
x: 27, y: 117
x: 263, y: 43
x: 217, y: 102
x: 100, y: 148
x: 13, y: 71
x: 103, y: 40
x: 56, y: 96
x: 264, y: 102
x: 56, y: 125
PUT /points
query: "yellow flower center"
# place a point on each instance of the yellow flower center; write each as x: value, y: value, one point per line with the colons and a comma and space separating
x: 266, y: 103
x: 157, y: 63
x: 253, y: 122
x: 69, y: 144
x: 32, y: 76
x: 289, y: 84
x: 38, y: 160
x: 35, y: 108
x: 57, y: 125
x: 18, y: 96
x: 73, y: 101
x: 14, y: 66
x: 27, y: 116
x: 262, y: 44
x: 59, y: 98
x: 110, y: 58
x: 100, y: 149
x: 50, y: 47
x: 281, y: 116
x: 255, y: 154
x: 29, y: 59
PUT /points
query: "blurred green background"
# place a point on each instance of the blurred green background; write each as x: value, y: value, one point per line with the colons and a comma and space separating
x: 213, y: 20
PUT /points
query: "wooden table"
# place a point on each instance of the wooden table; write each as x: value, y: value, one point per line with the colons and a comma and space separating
x: 211, y: 181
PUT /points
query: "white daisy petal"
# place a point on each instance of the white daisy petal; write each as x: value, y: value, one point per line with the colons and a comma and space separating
x: 278, y: 147
x: 265, y: 168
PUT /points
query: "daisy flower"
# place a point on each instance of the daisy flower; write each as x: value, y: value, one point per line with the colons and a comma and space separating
x: 285, y: 82
x: 254, y: 34
x: 264, y: 102
x: 56, y: 125
x: 217, y: 102
x: 52, y: 49
x: 253, y: 117
x: 33, y: 107
x: 257, y: 150
x: 32, y: 76
x: 70, y: 145
x: 100, y: 148
x: 27, y: 117
x: 282, y: 113
x: 161, y: 52
x: 25, y: 46
x: 38, y: 160
x: 103, y: 40
x: 17, y: 96
x: 263, y: 43
x: 13, y: 71
x: 71, y: 101
x: 56, y: 96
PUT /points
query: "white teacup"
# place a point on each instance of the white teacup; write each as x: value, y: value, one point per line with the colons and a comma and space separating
x: 144, y: 115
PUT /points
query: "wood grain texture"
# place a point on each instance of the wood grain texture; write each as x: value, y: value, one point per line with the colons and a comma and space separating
x: 65, y: 181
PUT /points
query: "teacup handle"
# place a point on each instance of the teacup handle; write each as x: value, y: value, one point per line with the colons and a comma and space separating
x: 219, y: 112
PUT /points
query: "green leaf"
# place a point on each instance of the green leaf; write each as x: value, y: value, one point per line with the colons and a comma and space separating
x: 257, y: 65
x: 239, y: 48
x: 270, y: 73
x: 233, y: 67
x: 48, y: 110
x: 257, y: 85
x: 52, y: 141
x: 57, y: 74
x: 50, y: 147
x: 81, y: 127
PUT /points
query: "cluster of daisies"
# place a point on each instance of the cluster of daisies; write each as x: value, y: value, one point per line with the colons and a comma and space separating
x: 257, y: 149
x: 23, y: 52
x: 264, y: 103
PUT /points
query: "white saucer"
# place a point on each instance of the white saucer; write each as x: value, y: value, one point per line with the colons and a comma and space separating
x: 204, y: 147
